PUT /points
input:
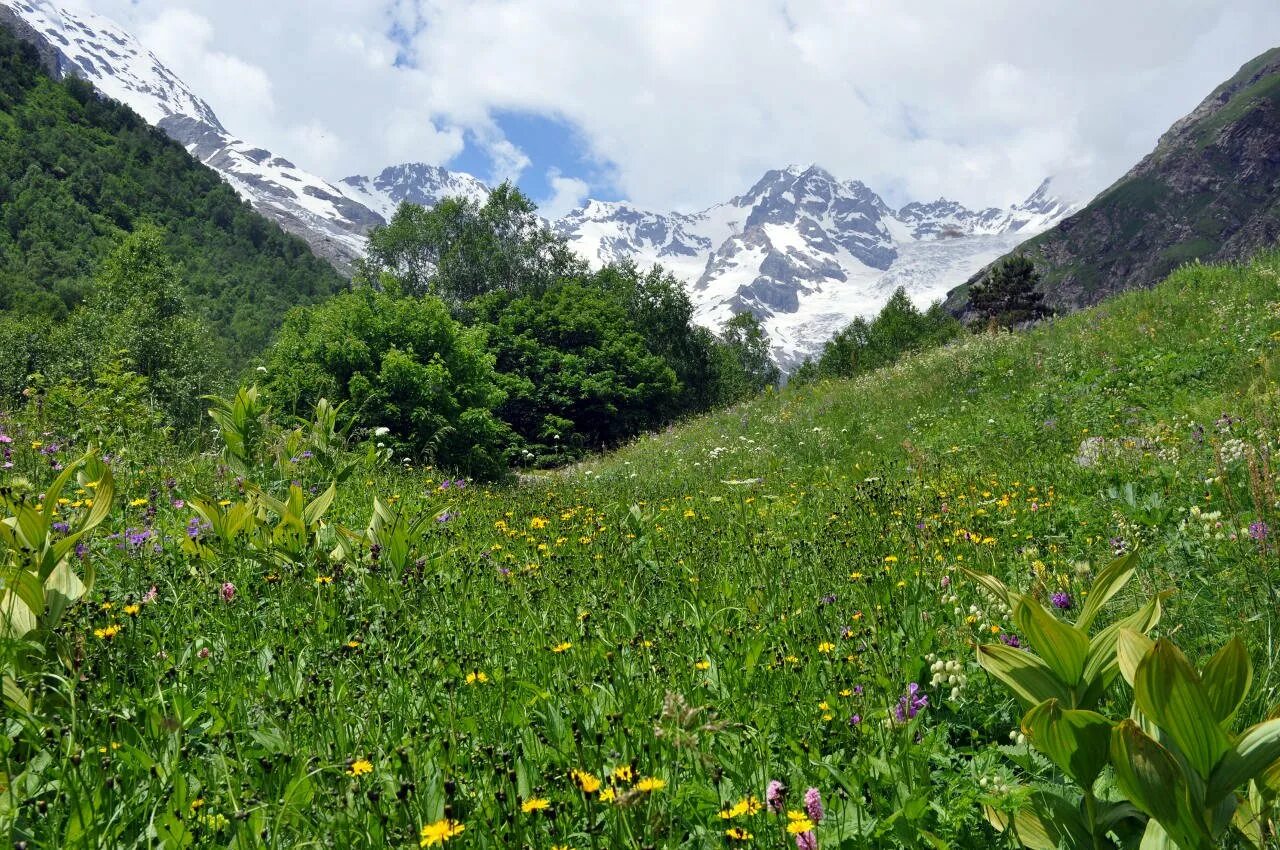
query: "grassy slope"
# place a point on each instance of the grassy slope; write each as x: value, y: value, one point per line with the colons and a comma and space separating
x: 711, y: 590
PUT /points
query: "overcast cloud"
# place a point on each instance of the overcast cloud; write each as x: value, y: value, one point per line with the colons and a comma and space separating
x: 683, y: 103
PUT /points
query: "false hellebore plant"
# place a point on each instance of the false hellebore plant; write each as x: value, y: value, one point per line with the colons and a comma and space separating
x: 1176, y: 762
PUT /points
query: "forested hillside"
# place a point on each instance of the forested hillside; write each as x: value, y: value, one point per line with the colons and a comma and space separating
x: 78, y: 171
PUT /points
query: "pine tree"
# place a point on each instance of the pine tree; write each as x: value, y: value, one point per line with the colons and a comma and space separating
x: 1008, y: 295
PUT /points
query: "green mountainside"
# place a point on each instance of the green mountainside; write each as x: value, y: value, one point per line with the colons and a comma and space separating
x: 1209, y: 191
x: 77, y: 170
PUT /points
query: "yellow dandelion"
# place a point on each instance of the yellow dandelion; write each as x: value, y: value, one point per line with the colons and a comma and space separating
x: 477, y: 676
x: 360, y: 767
x: 826, y: 646
x: 439, y: 832
x: 702, y: 664
x: 324, y: 579
x: 623, y: 773
x: 737, y: 833
x: 535, y: 804
x: 561, y: 647
x: 132, y: 610
x: 107, y: 633
x: 585, y: 781
x: 650, y: 783
x: 137, y: 503
x: 607, y: 795
x: 800, y: 825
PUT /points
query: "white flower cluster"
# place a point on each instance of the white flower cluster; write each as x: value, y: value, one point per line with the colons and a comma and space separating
x: 947, y: 674
x: 994, y: 784
x: 1017, y: 738
x: 1206, y: 524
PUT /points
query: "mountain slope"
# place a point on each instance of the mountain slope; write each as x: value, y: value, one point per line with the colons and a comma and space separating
x: 77, y: 170
x: 1209, y: 191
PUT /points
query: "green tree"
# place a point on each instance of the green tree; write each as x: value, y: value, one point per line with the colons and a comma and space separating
x: 401, y: 363
x: 136, y: 314
x: 748, y: 344
x: 1008, y: 295
x: 459, y: 249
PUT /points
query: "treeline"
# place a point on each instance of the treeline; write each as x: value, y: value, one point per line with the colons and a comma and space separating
x: 476, y: 337
x: 79, y: 171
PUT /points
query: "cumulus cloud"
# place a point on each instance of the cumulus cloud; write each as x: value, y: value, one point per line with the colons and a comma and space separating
x: 566, y: 194
x: 688, y: 103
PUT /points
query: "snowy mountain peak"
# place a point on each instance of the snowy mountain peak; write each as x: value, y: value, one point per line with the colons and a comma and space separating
x: 415, y: 183
x: 97, y: 49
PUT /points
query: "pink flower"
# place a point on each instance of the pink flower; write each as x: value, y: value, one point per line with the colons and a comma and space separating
x: 775, y: 796
x: 806, y: 841
x: 149, y: 596
x: 228, y: 591
x: 813, y: 805
x: 204, y: 652
x: 5, y: 438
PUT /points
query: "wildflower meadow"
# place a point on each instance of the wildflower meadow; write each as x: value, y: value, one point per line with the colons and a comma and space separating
x: 1019, y: 590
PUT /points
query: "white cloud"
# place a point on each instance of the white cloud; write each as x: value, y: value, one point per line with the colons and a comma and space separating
x: 691, y: 102
x: 566, y: 194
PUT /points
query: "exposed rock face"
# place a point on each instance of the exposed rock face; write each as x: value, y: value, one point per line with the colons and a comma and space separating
x: 1210, y: 191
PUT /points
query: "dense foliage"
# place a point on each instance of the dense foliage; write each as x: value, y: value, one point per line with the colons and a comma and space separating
x: 77, y: 171
x: 585, y: 360
x: 760, y: 625
x: 401, y: 364
x: 864, y: 346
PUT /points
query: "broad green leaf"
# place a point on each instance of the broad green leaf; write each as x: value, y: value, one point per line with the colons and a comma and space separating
x: 1155, y: 838
x: 1150, y: 777
x: 311, y: 515
x: 16, y: 619
x: 29, y: 589
x: 103, y: 494
x: 1062, y: 646
x: 1102, y: 665
x: 1076, y: 741
x: 1131, y: 648
x: 1045, y: 822
x: 1031, y: 680
x: 1168, y: 690
x: 14, y: 695
x: 61, y: 590
x: 1257, y: 749
x: 1226, y: 679
x: 1109, y: 582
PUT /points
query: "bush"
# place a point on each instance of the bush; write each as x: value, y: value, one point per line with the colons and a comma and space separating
x: 403, y: 364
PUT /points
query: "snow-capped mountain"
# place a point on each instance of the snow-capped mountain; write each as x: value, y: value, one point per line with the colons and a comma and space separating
x: 800, y: 249
x: 415, y: 183
x: 806, y: 253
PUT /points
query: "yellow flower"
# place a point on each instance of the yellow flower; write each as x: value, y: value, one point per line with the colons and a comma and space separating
x: 197, y: 803
x: 137, y: 503
x: 132, y: 610
x: 702, y: 664
x: 623, y: 773
x: 477, y: 676
x: 108, y: 633
x: 607, y: 795
x: 538, y: 522
x: 224, y: 502
x: 588, y: 783
x: 439, y: 832
x: 535, y: 804
x: 737, y: 833
x: 561, y: 647
x: 799, y: 825
x: 826, y: 646
x: 360, y: 767
x: 650, y: 783
x: 891, y: 559
x: 324, y: 579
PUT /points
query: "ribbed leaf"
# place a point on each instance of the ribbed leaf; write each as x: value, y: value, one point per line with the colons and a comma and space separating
x: 1226, y: 679
x: 1031, y: 680
x: 1109, y: 582
x: 1254, y: 753
x: 311, y: 515
x: 1078, y: 742
x: 1101, y: 667
x: 1062, y: 646
x: 1168, y: 690
x: 1149, y: 775
x: 16, y: 619
x: 1131, y: 648
x: 1045, y: 822
x: 995, y: 585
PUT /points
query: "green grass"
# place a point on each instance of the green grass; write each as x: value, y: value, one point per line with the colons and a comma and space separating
x: 725, y: 596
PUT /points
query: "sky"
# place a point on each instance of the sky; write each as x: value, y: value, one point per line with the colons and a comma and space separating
x: 680, y: 104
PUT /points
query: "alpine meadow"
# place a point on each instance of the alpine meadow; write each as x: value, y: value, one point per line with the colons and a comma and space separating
x: 386, y: 512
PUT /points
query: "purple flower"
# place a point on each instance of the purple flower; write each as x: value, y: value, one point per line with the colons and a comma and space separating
x: 178, y: 504
x: 136, y: 537
x: 829, y: 599
x: 806, y: 841
x: 855, y: 720
x: 445, y: 517
x: 5, y: 438
x: 82, y: 550
x: 307, y: 455
x: 1061, y: 600
x: 1258, y: 530
x: 60, y: 527
x: 775, y: 796
x: 813, y: 805
x: 1010, y: 639
x: 228, y: 591
x: 910, y: 703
